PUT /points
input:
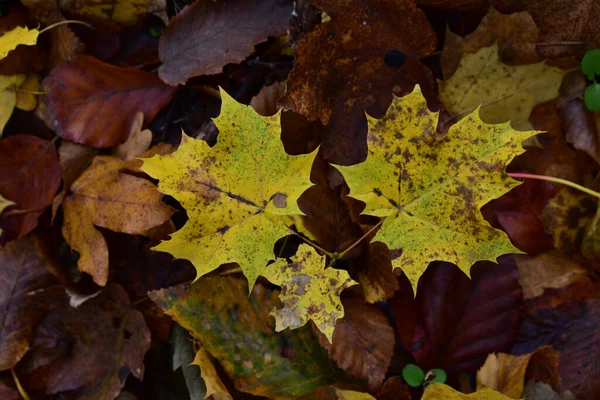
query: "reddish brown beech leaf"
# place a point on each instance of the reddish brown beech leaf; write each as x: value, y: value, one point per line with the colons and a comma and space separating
x: 65, y: 43
x: 363, y: 341
x: 30, y: 177
x: 206, y: 35
x: 461, y: 320
x: 561, y: 23
x: 94, y: 103
x: 8, y: 393
x: 340, y: 69
x: 24, y: 282
x: 90, y: 349
x: 519, y: 213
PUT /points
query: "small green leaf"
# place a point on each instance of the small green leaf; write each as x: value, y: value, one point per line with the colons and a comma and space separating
x: 413, y: 375
x: 592, y: 97
x: 590, y: 65
x: 439, y: 375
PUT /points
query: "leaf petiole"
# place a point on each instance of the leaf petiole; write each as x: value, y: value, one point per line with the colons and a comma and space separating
x: 555, y: 180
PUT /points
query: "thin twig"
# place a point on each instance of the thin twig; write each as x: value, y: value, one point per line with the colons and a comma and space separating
x: 316, y: 246
x: 343, y: 253
x: 555, y: 180
x: 65, y: 22
x: 22, y: 391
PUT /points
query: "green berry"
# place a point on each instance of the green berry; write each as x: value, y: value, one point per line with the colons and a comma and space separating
x: 592, y: 97
x: 413, y: 375
x: 590, y: 65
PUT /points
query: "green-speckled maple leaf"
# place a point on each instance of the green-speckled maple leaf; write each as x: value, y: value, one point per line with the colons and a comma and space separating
x: 430, y: 190
x: 308, y: 291
x: 236, y: 193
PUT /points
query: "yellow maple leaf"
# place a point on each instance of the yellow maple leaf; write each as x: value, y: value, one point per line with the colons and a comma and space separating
x: 15, y: 37
x: 505, y: 92
x: 430, y: 190
x: 439, y: 391
x: 309, y: 291
x: 236, y: 193
x: 105, y: 197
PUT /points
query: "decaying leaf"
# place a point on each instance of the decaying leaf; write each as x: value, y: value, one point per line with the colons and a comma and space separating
x: 206, y: 35
x: 106, y: 197
x: 340, y: 68
x: 363, y: 342
x: 24, y: 283
x: 237, y: 330
x: 21, y: 35
x: 375, y: 273
x: 507, y: 373
x: 65, y: 43
x: 30, y: 177
x: 430, y: 190
x: 309, y: 291
x: 505, y: 93
x: 214, y: 385
x: 94, y: 103
x: 235, y: 193
x: 439, y: 391
x: 90, y: 349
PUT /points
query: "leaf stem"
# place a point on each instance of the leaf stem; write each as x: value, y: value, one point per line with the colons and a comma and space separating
x: 316, y: 246
x: 555, y: 180
x: 65, y: 22
x: 22, y: 391
x: 343, y: 253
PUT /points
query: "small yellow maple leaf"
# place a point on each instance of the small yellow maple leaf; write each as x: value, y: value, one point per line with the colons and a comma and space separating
x: 236, y: 193
x: 15, y: 37
x: 430, y: 190
x: 309, y: 291
x: 105, y: 197
x: 439, y: 391
x: 504, y: 92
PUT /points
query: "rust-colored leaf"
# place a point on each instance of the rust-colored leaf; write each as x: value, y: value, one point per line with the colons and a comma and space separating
x: 30, y: 177
x: 94, y: 103
x: 206, y: 35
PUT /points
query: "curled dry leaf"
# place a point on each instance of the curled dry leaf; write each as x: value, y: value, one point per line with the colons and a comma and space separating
x: 340, y: 69
x: 206, y: 35
x: 30, y: 177
x: 90, y: 349
x: 439, y: 391
x: 24, y: 292
x: 363, y: 341
x: 65, y: 43
x: 94, y: 103
x: 27, y: 93
x: 106, y: 197
x: 309, y: 291
x: 238, y: 332
x: 507, y: 373
x: 505, y: 93
x: 430, y: 189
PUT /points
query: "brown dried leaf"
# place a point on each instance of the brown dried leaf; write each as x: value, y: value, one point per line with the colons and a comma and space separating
x: 65, y: 43
x: 375, y: 273
x: 207, y: 35
x: 138, y: 141
x: 30, y: 177
x: 106, y: 197
x: 24, y: 279
x: 363, y: 341
x: 94, y: 103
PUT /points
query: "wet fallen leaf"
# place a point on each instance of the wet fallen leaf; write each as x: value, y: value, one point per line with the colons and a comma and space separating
x: 106, y: 197
x: 340, y: 68
x: 363, y: 342
x: 310, y: 290
x: 32, y: 163
x: 430, y: 190
x: 507, y: 373
x: 239, y: 333
x: 24, y: 288
x: 234, y: 199
x: 217, y: 33
x: 94, y: 103
x: 90, y: 349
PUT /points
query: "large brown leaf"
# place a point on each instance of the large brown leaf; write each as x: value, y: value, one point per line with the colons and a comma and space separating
x: 94, y: 103
x: 363, y: 341
x: 461, y: 320
x: 340, y: 69
x: 206, y: 35
x: 88, y: 350
x: 24, y: 283
x: 30, y: 177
